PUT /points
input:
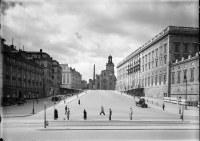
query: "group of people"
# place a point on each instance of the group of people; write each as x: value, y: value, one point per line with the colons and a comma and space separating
x: 67, y: 112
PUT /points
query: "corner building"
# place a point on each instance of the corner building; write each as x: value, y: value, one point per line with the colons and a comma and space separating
x: 147, y: 71
x: 22, y: 75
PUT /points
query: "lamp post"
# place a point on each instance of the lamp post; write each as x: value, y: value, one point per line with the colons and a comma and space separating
x: 45, y: 114
x: 182, y: 111
x: 179, y: 105
x: 100, y: 81
x: 33, y: 104
x: 54, y: 98
x: 185, y: 78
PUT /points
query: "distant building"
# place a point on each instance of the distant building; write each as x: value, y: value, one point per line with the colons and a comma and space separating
x: 22, y: 75
x: 84, y: 84
x: 71, y: 80
x: 106, y: 80
x: 90, y: 84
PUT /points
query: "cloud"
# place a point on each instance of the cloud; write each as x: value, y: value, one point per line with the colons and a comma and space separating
x: 5, y: 5
x: 84, y: 33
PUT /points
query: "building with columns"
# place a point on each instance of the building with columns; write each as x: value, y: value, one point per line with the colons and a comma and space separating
x: 147, y: 70
x: 106, y: 80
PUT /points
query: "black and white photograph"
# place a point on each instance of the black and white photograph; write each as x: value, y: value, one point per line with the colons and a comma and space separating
x: 99, y: 70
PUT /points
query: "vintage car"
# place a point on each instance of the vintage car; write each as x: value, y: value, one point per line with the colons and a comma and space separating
x: 20, y: 101
x: 141, y: 103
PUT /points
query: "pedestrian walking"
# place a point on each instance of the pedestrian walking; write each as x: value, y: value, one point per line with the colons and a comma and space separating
x: 55, y: 114
x: 65, y: 109
x: 102, y: 110
x: 110, y: 114
x: 131, y: 113
x: 68, y: 113
x: 79, y: 101
x: 84, y: 115
x: 163, y: 106
x: 37, y: 99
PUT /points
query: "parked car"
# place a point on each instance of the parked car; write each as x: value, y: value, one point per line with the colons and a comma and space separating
x: 5, y: 102
x: 20, y: 101
x: 141, y: 103
x: 55, y: 99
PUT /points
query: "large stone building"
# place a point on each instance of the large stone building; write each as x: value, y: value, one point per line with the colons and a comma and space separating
x: 46, y: 61
x: 71, y: 80
x: 188, y: 67
x: 147, y: 70
x: 22, y: 75
x: 106, y: 80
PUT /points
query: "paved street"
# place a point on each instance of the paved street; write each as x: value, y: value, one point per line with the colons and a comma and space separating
x: 150, y: 123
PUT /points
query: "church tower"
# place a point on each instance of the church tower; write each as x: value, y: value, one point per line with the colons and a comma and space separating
x: 110, y: 65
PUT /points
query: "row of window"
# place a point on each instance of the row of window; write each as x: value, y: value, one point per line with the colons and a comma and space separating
x: 154, y: 80
x: 191, y: 79
x: 152, y: 65
x: 151, y: 55
x: 27, y: 74
x: 185, y: 48
x: 23, y: 84
x: 23, y: 64
x: 39, y: 56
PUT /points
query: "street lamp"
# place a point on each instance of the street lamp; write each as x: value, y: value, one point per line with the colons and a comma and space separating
x: 179, y: 105
x: 33, y: 104
x: 185, y: 78
x: 53, y: 97
x: 45, y: 123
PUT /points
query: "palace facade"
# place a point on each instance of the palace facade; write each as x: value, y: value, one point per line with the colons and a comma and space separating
x: 147, y: 70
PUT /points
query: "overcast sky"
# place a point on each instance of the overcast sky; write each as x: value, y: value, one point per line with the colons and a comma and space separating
x: 85, y: 32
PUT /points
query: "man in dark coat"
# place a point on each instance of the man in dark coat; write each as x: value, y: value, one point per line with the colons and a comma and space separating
x: 79, y: 101
x: 110, y: 114
x: 163, y: 106
x: 55, y: 114
x: 65, y: 109
x: 84, y: 114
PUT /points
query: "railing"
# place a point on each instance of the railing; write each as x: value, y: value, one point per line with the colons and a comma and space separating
x: 181, y: 102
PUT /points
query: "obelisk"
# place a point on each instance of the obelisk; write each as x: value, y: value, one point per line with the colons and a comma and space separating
x: 94, y: 78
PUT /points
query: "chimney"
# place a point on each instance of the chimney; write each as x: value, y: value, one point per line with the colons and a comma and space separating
x: 182, y: 59
x: 197, y: 54
x: 176, y: 61
x: 40, y: 50
x: 189, y: 56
